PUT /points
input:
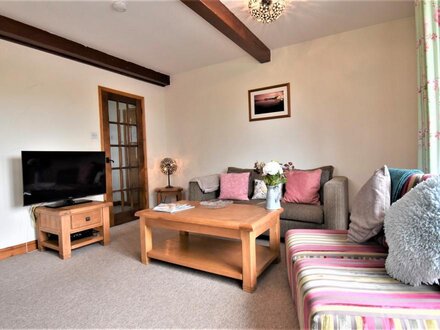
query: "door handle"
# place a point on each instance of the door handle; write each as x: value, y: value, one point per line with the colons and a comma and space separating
x: 108, y: 160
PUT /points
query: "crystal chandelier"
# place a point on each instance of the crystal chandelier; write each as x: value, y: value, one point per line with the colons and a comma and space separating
x: 266, y: 11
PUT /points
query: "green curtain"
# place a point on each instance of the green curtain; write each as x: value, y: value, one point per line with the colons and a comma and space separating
x: 428, y: 33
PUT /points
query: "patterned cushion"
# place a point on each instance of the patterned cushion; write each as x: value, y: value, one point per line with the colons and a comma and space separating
x: 260, y: 190
x: 234, y: 186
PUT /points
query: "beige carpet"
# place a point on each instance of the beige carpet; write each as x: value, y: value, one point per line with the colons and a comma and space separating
x: 108, y: 287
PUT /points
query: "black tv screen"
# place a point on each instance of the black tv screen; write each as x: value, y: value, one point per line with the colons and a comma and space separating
x: 50, y: 176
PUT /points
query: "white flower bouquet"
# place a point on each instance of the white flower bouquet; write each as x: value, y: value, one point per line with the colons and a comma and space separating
x: 273, y: 174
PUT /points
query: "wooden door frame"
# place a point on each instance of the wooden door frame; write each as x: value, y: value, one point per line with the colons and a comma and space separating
x: 108, y: 196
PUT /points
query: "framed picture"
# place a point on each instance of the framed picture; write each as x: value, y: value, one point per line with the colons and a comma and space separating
x: 269, y: 102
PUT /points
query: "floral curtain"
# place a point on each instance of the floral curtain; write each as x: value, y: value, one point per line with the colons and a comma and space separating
x: 428, y: 62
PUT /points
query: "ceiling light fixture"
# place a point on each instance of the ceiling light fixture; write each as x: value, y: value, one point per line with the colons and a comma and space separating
x: 120, y: 6
x: 266, y: 11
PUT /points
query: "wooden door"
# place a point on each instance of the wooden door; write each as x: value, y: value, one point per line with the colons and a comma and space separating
x: 123, y: 140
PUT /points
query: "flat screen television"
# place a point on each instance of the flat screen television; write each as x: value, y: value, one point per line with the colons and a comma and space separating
x: 50, y: 176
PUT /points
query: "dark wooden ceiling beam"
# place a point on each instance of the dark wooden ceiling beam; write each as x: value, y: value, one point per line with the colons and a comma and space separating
x: 219, y: 16
x: 30, y: 36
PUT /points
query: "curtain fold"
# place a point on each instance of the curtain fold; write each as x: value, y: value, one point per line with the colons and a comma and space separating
x: 427, y: 15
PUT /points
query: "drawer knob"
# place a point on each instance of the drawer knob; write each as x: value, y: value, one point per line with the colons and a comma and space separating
x: 88, y: 218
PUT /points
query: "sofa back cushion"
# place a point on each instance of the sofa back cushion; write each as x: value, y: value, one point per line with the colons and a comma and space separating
x: 326, y: 175
x: 234, y: 186
x: 252, y: 177
x: 303, y: 187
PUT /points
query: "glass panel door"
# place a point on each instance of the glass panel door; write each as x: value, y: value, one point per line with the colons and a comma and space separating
x: 122, y: 119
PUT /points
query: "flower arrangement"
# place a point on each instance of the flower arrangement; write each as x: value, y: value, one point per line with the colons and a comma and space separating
x: 273, y: 173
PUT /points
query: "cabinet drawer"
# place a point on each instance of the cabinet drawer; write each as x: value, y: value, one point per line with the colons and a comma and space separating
x: 86, y: 219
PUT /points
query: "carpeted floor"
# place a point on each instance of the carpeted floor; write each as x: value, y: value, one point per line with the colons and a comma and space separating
x: 108, y: 287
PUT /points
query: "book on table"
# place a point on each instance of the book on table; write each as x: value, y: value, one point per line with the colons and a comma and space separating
x: 172, y: 207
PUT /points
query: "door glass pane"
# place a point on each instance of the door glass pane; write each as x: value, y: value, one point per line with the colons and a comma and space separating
x: 116, y: 198
x: 124, y: 139
x: 124, y: 161
x: 122, y: 112
x: 125, y: 179
x: 117, y: 204
x: 134, y: 177
x: 131, y: 114
x: 112, y: 116
x: 131, y: 199
x: 114, y: 155
x: 133, y: 156
x: 133, y: 134
x: 116, y: 182
x: 113, y: 134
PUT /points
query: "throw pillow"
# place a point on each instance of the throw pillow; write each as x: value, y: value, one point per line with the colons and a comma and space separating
x: 302, y: 187
x: 234, y: 186
x: 252, y: 176
x: 412, y: 230
x: 369, y: 206
x: 326, y: 175
x: 260, y: 190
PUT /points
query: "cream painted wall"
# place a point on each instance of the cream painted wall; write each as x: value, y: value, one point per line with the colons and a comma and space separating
x: 51, y: 103
x: 353, y: 99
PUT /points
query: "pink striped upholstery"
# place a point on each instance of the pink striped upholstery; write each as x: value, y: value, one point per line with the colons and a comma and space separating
x: 338, y: 284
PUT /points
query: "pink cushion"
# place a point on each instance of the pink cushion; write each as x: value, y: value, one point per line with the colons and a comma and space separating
x: 234, y: 186
x: 303, y: 186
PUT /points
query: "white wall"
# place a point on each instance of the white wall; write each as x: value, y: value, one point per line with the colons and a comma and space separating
x: 353, y: 106
x: 353, y: 99
x: 51, y: 103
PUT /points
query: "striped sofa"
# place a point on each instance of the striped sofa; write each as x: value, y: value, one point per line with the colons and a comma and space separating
x: 337, y: 284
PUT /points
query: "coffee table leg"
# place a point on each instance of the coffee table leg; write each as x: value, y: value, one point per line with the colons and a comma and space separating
x: 249, y: 261
x: 274, y: 240
x: 146, y: 241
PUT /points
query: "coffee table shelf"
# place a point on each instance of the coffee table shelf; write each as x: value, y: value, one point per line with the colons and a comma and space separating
x: 220, y: 241
x: 210, y: 254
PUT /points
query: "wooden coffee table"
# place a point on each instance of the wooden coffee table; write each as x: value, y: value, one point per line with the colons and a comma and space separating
x: 226, y: 245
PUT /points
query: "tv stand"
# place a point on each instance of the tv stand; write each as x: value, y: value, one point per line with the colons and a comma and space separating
x: 68, y: 202
x: 67, y: 220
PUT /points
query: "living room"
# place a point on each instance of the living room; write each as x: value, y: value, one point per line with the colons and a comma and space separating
x: 353, y: 100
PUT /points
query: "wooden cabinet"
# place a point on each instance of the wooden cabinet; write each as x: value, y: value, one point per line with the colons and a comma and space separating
x: 68, y: 220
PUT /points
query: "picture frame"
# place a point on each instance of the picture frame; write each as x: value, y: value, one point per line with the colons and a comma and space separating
x: 270, y: 102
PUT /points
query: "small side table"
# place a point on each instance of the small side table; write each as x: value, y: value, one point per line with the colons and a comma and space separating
x: 164, y: 192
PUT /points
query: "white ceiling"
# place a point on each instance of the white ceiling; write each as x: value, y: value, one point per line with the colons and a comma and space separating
x: 167, y: 36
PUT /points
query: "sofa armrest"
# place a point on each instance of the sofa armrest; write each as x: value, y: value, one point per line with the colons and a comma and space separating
x: 196, y: 194
x: 336, y: 203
